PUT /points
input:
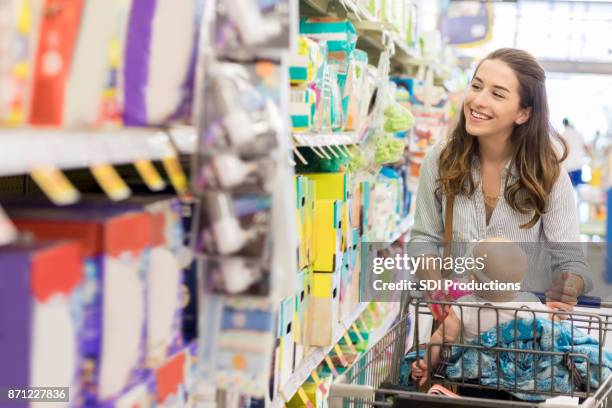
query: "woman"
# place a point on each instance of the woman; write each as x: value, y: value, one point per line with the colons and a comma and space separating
x: 503, y: 173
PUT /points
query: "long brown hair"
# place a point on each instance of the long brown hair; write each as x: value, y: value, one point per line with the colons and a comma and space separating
x: 534, y: 156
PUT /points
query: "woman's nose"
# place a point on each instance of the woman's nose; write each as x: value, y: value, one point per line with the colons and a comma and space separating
x: 480, y: 99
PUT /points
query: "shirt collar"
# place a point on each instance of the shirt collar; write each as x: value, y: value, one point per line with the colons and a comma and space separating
x: 509, y: 168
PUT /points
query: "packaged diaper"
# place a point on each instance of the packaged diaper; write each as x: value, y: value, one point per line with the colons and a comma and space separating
x: 59, y: 28
x: 40, y: 316
x: 159, y: 60
x: 114, y: 244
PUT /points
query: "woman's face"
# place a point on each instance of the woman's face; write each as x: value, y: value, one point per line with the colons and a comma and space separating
x: 492, y: 103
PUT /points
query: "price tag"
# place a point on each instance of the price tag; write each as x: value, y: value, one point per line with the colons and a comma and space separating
x: 110, y: 181
x: 331, y: 366
x: 318, y: 382
x: 340, y: 354
x: 55, y: 185
x: 175, y: 173
x: 8, y: 232
x: 357, y: 332
x: 349, y: 342
x: 149, y: 174
x: 304, y: 398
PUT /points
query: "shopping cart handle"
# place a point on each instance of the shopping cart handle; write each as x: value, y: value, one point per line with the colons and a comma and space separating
x: 585, y: 301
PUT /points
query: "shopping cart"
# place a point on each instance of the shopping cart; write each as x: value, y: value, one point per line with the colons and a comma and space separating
x: 373, y: 379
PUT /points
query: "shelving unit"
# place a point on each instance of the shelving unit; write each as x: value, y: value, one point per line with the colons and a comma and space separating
x: 316, y: 357
x: 373, y: 33
x: 185, y: 139
x: 26, y: 149
x: 326, y: 139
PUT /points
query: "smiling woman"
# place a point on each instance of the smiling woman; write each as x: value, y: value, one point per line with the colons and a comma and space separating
x: 499, y: 173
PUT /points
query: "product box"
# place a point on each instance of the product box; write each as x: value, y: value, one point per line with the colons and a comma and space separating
x: 175, y: 378
x: 302, y: 106
x: 305, y: 62
x: 114, y: 245
x: 310, y: 237
x: 322, y: 316
x: 18, y: 37
x: 237, y: 342
x: 327, y: 229
x: 285, y: 351
x: 58, y: 34
x: 330, y: 186
x: 159, y: 61
x: 163, y: 263
x: 40, y: 315
x: 302, y: 298
x: 301, y: 221
x: 87, y: 77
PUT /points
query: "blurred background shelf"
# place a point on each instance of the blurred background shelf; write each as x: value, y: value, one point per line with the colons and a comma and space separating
x: 26, y: 149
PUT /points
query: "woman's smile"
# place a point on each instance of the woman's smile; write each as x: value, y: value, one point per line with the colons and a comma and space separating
x: 478, y: 116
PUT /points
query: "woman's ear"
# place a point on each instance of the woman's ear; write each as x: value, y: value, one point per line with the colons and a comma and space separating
x: 523, y: 116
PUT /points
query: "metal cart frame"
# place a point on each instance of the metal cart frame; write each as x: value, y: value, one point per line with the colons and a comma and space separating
x: 373, y: 379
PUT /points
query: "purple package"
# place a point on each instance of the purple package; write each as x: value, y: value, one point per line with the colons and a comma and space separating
x: 111, y: 357
x: 159, y: 60
x: 39, y: 316
x: 165, y: 291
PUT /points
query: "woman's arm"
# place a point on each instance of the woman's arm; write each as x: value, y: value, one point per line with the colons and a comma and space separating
x: 428, y: 230
x: 561, y: 234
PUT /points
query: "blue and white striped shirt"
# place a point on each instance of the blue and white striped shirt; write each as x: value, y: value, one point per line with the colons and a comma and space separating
x: 559, y: 223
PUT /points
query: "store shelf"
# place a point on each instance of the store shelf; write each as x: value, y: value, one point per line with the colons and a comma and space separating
x: 314, y: 359
x: 26, y: 149
x: 185, y: 138
x: 326, y: 139
x: 374, y: 35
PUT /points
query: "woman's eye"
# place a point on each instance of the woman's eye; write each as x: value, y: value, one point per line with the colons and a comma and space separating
x: 498, y: 95
x: 475, y: 86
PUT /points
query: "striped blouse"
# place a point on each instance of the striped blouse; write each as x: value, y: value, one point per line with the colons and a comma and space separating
x: 559, y: 223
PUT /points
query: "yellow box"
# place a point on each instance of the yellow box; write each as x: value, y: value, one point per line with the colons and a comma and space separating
x: 327, y: 230
x: 309, y: 222
x: 300, y: 184
x: 330, y: 186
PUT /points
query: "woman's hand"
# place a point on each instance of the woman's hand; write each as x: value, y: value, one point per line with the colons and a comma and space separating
x: 563, y: 295
x: 419, y: 371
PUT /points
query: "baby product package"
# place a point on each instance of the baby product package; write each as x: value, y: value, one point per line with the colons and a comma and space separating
x: 242, y: 108
x: 159, y: 60
x: 58, y: 32
x: 114, y: 244
x: 269, y: 26
x: 164, y: 275
x: 18, y: 37
x: 87, y: 76
x: 40, y: 316
x: 305, y: 62
x: 237, y: 342
x: 164, y: 268
x: 236, y: 238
